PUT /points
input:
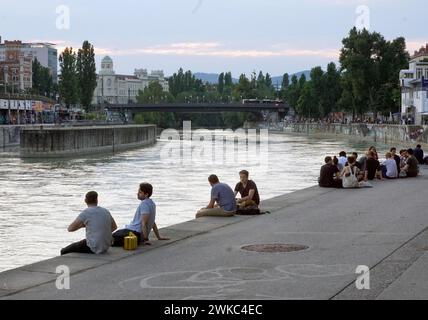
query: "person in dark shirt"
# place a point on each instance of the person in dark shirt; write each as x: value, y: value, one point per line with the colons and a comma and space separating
x: 329, y: 175
x: 247, y: 189
x: 396, y: 158
x: 419, y: 154
x: 372, y: 167
x: 411, y: 168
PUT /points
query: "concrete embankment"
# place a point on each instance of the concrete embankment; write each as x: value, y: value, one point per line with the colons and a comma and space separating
x: 10, y: 134
x: 384, y: 228
x: 368, y: 132
x: 46, y: 142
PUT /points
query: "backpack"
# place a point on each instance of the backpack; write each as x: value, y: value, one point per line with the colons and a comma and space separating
x: 350, y: 181
x: 248, y: 211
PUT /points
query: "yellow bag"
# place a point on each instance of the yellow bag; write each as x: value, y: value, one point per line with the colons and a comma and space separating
x: 130, y: 242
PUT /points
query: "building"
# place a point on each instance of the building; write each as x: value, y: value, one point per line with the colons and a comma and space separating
x: 16, y: 68
x: 45, y: 53
x: 414, y: 89
x: 122, y: 89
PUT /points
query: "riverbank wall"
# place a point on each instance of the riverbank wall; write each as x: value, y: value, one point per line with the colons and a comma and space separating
x: 383, y: 133
x: 9, y: 136
x: 54, y: 142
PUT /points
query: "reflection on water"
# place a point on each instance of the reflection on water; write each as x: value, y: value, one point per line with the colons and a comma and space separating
x: 38, y: 199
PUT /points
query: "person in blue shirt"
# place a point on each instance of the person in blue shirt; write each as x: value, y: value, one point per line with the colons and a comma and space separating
x: 222, y: 203
x: 143, y: 221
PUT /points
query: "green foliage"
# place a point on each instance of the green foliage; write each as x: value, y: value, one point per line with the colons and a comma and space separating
x: 370, y: 67
x: 154, y: 93
x: 86, y: 73
x: 68, y: 82
x: 184, y: 81
x: 42, y: 80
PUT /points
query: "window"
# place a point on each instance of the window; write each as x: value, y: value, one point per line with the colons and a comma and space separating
x: 419, y: 73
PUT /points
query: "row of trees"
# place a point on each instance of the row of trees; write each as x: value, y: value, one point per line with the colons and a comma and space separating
x: 184, y: 87
x: 367, y: 80
x: 78, y: 78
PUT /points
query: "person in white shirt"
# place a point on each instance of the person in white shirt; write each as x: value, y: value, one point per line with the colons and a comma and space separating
x: 389, y: 167
x: 342, y: 160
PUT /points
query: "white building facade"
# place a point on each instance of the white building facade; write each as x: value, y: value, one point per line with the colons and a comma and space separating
x: 414, y: 89
x: 122, y: 89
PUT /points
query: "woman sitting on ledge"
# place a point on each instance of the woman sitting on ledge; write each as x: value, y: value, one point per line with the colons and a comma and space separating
x: 350, y: 174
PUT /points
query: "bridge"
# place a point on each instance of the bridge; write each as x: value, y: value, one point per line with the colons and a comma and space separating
x: 197, y: 107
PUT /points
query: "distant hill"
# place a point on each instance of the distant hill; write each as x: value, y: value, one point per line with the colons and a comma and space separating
x: 213, y: 77
x: 210, y: 77
x: 278, y: 79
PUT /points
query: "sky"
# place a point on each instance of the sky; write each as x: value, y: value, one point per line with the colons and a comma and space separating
x: 212, y: 35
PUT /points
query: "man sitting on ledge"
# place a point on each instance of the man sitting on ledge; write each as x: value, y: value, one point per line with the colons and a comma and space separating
x: 222, y: 203
x: 99, y: 225
x: 144, y: 219
x: 248, y: 190
x: 411, y: 168
x: 329, y: 175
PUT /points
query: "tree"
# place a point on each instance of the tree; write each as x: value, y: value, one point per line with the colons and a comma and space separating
x: 308, y: 103
x: 220, y: 85
x: 68, y: 84
x: 261, y: 80
x: 293, y: 92
x: 360, y: 60
x: 332, y: 90
x: 318, y: 89
x: 86, y: 73
x: 185, y: 82
x: 243, y: 90
x: 268, y: 81
x: 154, y: 93
x: 285, y: 81
x: 228, y: 82
x: 302, y: 81
x: 42, y: 80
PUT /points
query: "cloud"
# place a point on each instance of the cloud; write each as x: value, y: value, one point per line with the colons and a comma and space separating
x: 215, y: 49
x: 415, y: 44
x: 207, y: 49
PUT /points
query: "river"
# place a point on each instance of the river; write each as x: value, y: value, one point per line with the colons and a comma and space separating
x: 38, y: 199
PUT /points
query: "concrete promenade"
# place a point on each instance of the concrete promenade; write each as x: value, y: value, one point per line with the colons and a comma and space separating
x: 384, y: 228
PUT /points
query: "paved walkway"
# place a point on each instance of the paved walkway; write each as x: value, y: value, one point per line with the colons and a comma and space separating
x: 384, y: 228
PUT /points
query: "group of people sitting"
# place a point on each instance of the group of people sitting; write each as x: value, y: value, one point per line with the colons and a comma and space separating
x: 223, y: 201
x: 353, y: 172
x: 100, y: 225
x: 101, y: 228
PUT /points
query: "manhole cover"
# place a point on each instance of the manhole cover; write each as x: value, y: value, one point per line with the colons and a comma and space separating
x: 278, y: 247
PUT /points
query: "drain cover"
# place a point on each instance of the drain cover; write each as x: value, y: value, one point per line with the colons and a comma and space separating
x: 277, y: 247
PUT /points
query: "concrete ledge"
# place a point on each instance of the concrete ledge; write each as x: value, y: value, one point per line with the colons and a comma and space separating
x: 205, y: 254
x: 19, y: 279
x: 55, y: 142
x: 404, y: 134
